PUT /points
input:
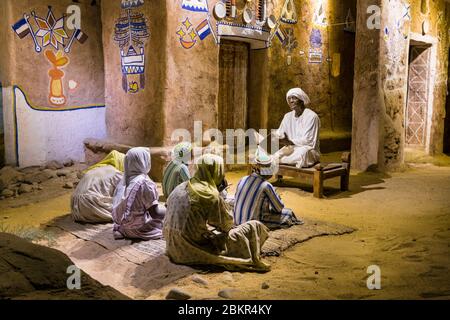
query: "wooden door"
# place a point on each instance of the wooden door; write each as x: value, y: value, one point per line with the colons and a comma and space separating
x: 233, y: 74
x: 417, y: 103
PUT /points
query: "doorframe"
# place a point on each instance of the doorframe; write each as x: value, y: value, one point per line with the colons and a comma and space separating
x: 431, y: 42
x: 446, y: 146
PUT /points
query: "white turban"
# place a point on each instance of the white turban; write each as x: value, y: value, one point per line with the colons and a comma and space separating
x: 299, y: 93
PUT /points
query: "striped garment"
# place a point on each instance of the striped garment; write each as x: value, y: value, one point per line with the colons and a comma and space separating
x: 174, y: 174
x: 255, y: 199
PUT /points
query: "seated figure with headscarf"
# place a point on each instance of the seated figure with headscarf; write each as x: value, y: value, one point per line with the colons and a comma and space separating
x: 92, y: 199
x: 177, y: 171
x: 136, y: 210
x: 199, y: 227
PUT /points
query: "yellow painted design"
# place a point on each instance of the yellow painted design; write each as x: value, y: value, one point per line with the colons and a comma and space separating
x: 56, y: 96
x: 187, y: 24
x: 181, y: 33
x: 192, y: 34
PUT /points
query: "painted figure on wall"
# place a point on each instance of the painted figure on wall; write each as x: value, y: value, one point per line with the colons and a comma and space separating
x: 131, y: 33
x: 58, y: 60
x: 51, y: 33
x: 290, y: 44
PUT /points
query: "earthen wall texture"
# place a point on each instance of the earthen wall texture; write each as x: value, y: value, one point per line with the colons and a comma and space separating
x: 136, y: 118
x: 331, y: 97
x: 437, y: 13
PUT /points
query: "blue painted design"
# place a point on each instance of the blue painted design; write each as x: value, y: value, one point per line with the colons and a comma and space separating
x: 315, y: 38
x: 195, y: 5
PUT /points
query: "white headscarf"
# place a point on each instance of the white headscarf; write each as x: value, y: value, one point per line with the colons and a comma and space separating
x: 137, y: 163
x: 299, y: 93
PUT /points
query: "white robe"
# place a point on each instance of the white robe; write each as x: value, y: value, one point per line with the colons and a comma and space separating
x: 304, y: 133
x: 92, y: 199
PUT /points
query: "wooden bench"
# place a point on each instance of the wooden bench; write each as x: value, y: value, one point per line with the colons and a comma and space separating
x: 319, y: 173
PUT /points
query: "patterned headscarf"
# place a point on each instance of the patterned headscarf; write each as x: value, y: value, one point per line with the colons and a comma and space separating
x: 182, y: 152
x: 299, y: 93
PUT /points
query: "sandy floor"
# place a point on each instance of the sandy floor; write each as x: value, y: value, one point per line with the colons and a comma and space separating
x: 403, y: 222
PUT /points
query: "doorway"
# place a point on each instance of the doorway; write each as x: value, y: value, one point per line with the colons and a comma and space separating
x: 418, y: 95
x: 447, y: 114
x: 233, y: 85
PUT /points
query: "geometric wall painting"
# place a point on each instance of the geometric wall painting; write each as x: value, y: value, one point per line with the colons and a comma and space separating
x: 315, y: 51
x: 195, y: 5
x: 131, y: 33
x: 186, y: 33
x: 320, y: 18
x: 126, y: 4
x: 289, y: 13
x: 51, y: 34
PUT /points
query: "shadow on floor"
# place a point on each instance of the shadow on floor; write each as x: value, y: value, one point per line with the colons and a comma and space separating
x: 361, y: 182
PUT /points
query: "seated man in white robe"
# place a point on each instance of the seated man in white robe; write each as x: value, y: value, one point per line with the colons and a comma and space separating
x: 299, y: 132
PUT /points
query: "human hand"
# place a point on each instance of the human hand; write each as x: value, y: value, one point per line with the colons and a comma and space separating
x: 223, y: 185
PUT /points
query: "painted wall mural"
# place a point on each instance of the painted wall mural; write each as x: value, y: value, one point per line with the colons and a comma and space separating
x: 315, y: 51
x: 252, y: 22
x: 187, y: 32
x: 289, y: 13
x: 290, y: 44
x: 195, y: 5
x: 58, y: 60
x: 284, y: 31
x: 131, y: 33
x: 320, y: 18
x: 51, y: 34
x: 396, y: 36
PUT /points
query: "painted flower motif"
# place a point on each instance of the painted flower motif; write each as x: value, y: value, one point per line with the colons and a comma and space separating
x: 51, y: 30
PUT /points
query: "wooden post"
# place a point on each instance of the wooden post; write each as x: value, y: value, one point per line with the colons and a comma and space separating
x: 345, y: 178
x: 318, y: 181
